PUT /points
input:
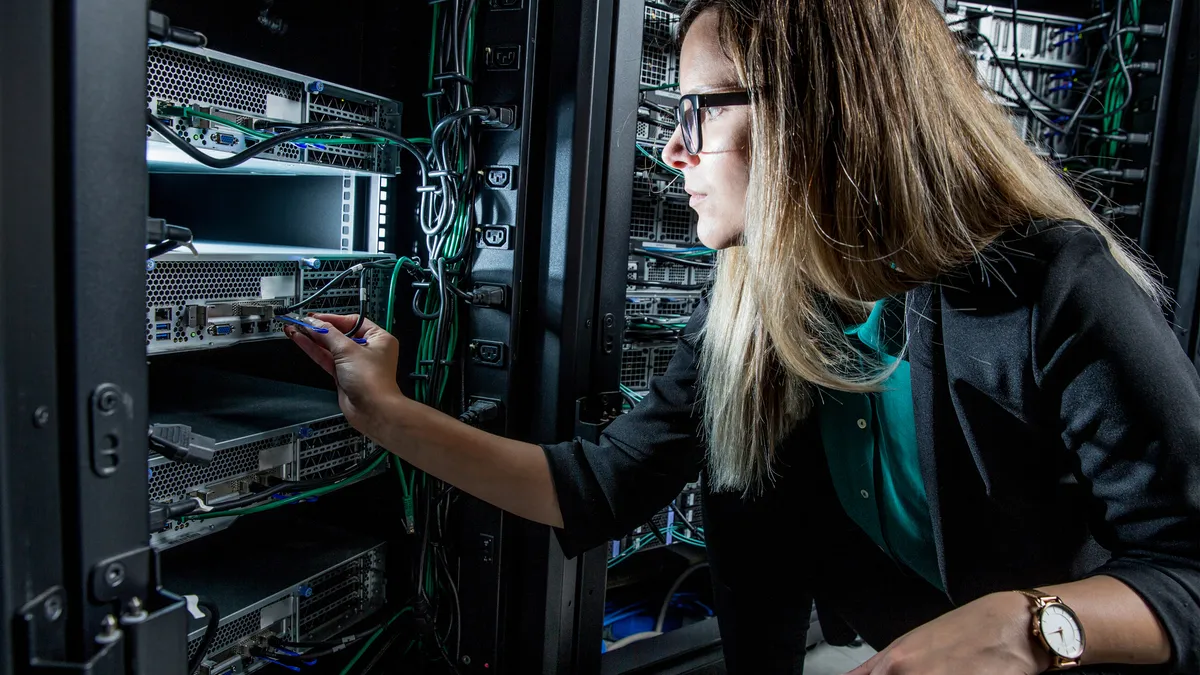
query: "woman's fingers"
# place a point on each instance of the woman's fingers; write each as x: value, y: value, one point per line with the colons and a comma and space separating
x: 315, y: 351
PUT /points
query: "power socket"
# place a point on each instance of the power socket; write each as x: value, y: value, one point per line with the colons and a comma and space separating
x: 493, y: 236
x: 502, y: 57
x: 488, y: 353
x: 500, y: 177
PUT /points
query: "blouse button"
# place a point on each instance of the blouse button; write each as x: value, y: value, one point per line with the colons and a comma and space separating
x: 862, y: 424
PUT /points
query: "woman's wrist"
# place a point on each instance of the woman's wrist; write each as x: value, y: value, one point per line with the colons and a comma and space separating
x: 1014, y: 621
x: 385, y: 412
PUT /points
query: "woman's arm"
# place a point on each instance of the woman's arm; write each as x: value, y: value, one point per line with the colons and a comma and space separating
x: 994, y: 634
x: 1118, y: 625
x: 508, y: 474
x: 592, y: 491
x: 1126, y: 397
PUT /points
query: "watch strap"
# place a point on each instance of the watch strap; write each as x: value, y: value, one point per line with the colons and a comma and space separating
x: 1042, y: 600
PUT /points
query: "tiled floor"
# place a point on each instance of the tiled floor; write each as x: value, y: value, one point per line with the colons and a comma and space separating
x: 828, y: 660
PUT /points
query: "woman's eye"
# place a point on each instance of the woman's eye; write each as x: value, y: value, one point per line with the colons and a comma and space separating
x: 712, y: 113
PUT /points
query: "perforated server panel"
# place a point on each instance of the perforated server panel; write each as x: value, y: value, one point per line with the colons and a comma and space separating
x: 309, y: 585
x: 252, y: 464
x: 218, y: 298
x: 249, y: 95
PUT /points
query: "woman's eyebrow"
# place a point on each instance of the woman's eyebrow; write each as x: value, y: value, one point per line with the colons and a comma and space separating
x: 713, y: 88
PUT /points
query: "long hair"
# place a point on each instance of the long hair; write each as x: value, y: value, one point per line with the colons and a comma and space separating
x: 877, y: 163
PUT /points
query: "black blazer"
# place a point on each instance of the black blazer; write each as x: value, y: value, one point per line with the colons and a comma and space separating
x: 1058, y: 422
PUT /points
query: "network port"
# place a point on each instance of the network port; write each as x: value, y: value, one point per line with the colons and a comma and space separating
x: 162, y: 314
x: 264, y: 326
x: 247, y: 328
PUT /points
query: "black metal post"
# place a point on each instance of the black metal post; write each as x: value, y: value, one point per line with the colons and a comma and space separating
x: 31, y: 574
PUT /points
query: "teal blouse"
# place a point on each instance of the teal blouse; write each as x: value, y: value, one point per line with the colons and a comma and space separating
x: 871, y: 444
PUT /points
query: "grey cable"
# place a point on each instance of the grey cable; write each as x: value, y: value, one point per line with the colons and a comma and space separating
x: 662, y: 613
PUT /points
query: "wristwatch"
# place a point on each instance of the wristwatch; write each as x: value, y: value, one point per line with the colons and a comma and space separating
x: 1058, y: 629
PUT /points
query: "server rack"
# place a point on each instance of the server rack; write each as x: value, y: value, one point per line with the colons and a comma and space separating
x: 71, y: 572
x: 111, y: 547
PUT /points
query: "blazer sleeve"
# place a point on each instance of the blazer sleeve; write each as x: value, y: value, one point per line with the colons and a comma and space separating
x: 1128, y: 400
x: 643, y: 459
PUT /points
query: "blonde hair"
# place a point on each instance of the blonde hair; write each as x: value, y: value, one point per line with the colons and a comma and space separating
x: 878, y: 163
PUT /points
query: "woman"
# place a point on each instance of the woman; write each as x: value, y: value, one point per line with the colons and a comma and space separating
x: 923, y: 358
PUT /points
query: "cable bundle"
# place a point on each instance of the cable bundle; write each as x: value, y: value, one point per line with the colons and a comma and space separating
x: 1108, y: 82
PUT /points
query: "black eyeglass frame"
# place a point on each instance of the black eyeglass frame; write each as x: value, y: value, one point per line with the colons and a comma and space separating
x: 700, y: 102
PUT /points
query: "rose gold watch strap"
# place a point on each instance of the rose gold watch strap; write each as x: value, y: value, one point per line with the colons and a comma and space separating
x: 1042, y: 599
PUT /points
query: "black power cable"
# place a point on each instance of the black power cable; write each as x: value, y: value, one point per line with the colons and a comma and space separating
x: 210, y: 634
x: 158, y: 27
x: 286, y: 137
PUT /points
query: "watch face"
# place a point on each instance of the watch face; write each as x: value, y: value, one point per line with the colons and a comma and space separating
x: 1062, y: 631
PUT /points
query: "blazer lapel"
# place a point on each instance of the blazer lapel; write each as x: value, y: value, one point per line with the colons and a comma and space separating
x: 923, y: 326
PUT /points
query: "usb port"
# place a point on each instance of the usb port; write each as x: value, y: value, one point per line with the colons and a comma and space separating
x: 162, y: 336
x: 162, y: 326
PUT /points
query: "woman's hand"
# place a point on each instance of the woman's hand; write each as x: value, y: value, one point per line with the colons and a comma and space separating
x: 990, y: 636
x: 365, y: 374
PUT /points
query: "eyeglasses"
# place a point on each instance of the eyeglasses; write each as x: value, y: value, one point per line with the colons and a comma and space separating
x: 689, y: 117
